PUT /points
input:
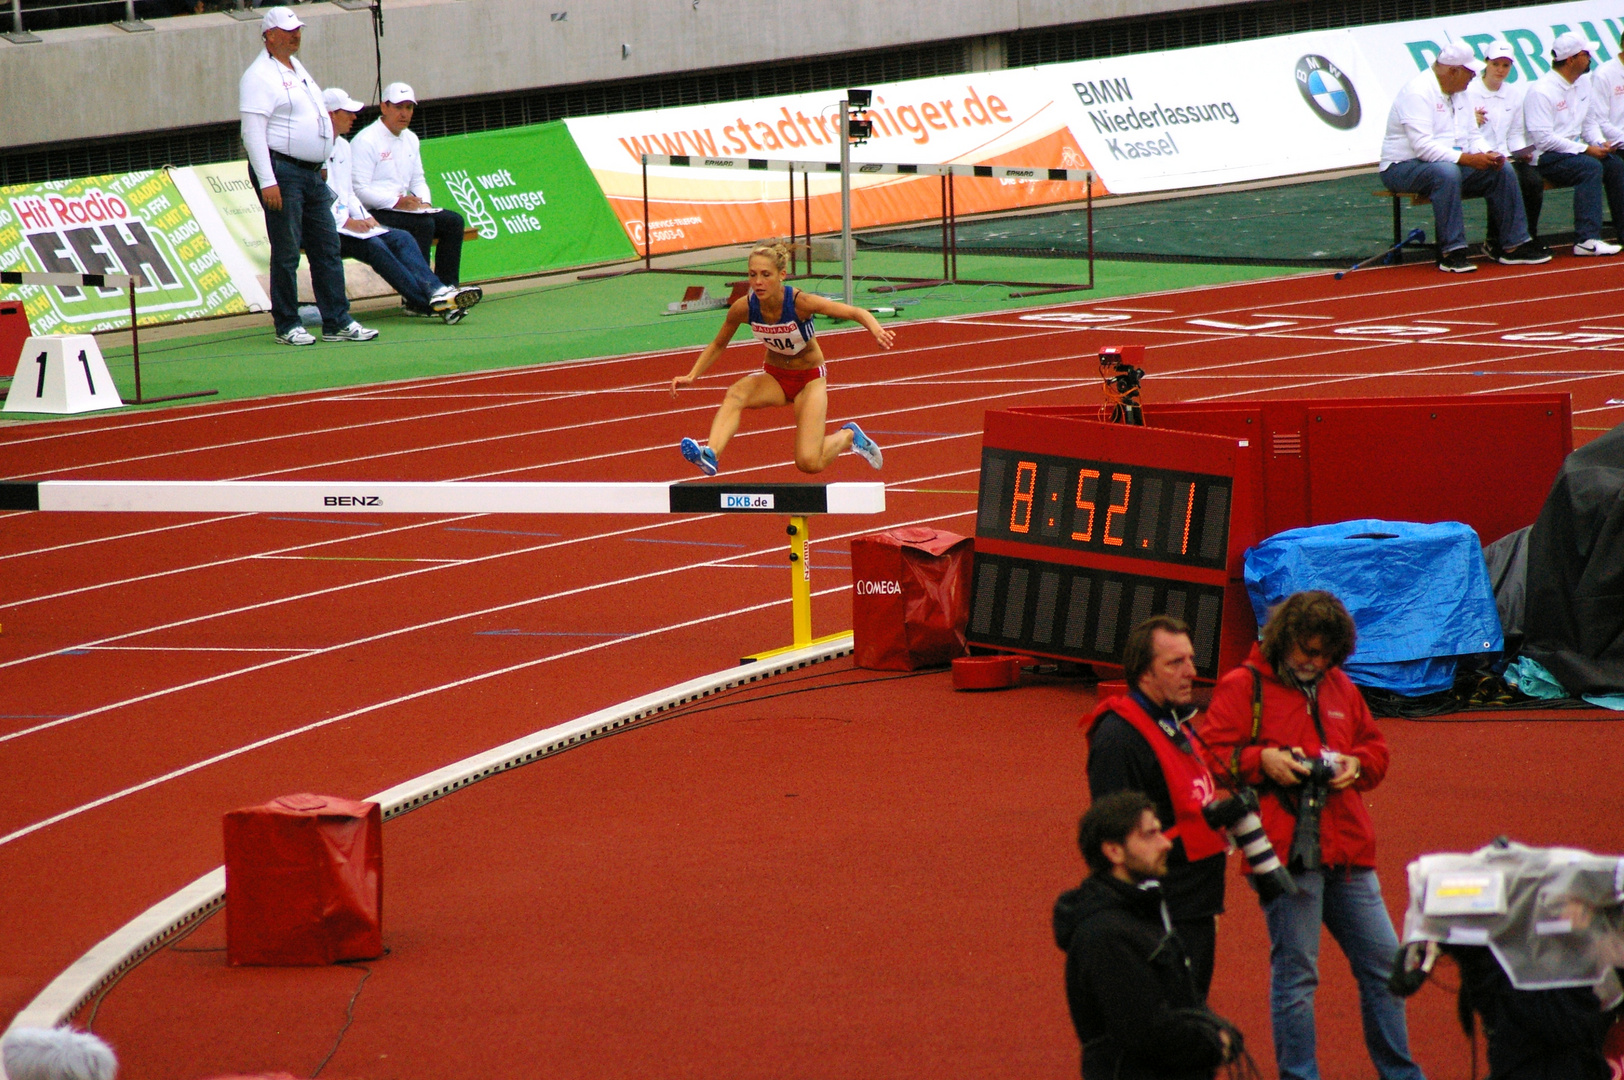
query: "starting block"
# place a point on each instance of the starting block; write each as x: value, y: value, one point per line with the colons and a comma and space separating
x: 698, y: 298
x: 62, y: 373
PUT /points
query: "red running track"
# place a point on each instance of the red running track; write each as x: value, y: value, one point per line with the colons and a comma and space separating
x: 158, y: 670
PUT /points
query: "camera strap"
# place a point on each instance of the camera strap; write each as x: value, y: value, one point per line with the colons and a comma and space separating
x: 1311, y: 693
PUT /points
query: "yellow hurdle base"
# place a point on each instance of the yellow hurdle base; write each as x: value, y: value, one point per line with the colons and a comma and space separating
x: 770, y: 653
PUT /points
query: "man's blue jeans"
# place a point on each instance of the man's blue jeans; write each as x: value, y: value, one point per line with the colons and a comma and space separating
x: 1445, y: 184
x: 1589, y: 178
x: 1349, y: 902
x: 396, y: 258
x: 305, y: 220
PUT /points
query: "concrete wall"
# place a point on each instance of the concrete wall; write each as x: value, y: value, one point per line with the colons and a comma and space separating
x: 95, y: 82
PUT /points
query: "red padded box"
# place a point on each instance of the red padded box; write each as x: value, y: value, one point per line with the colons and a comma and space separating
x: 304, y: 881
x: 13, y: 332
x: 910, y: 598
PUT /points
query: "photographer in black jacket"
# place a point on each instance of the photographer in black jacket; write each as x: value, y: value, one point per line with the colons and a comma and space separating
x: 1128, y: 981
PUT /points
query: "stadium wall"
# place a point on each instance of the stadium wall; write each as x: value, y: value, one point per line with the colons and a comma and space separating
x: 98, y: 82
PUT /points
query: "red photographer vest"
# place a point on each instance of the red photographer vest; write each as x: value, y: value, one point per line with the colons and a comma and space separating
x: 1189, y: 784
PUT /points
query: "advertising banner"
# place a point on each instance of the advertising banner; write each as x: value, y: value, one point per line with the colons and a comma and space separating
x: 1397, y: 51
x: 530, y: 195
x: 984, y: 118
x: 1220, y: 114
x: 136, y: 223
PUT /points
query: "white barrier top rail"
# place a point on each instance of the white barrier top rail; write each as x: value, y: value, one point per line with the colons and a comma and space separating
x: 442, y: 497
x: 1011, y: 172
x: 95, y: 281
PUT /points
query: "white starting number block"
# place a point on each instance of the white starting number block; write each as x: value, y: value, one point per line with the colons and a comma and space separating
x: 62, y: 373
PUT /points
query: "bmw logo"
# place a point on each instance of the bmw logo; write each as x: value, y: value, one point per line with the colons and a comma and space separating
x: 1328, y: 91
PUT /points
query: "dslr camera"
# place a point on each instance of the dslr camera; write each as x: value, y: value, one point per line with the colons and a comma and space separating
x: 1237, y: 815
x: 1312, y: 794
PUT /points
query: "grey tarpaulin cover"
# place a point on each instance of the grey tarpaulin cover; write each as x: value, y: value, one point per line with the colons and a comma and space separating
x: 1573, y: 621
x: 1552, y: 916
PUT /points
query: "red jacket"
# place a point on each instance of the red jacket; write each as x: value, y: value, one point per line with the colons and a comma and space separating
x: 1347, y: 837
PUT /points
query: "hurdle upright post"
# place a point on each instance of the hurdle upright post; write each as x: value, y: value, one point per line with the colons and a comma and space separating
x: 647, y: 263
x: 135, y: 339
x: 800, y: 580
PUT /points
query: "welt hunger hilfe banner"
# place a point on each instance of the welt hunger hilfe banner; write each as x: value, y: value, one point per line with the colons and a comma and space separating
x: 529, y: 195
x: 984, y: 118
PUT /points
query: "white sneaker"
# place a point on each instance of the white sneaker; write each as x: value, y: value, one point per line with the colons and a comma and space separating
x: 297, y: 336
x: 444, y: 299
x: 1597, y: 246
x: 353, y: 332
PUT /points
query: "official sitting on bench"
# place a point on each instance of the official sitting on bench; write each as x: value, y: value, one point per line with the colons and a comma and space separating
x: 1496, y: 112
x: 1570, y: 149
x: 393, y: 253
x: 1419, y: 154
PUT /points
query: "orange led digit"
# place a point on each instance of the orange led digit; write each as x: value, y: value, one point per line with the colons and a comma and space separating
x: 1117, y: 508
x: 1189, y: 508
x: 1083, y: 476
x: 1029, y: 469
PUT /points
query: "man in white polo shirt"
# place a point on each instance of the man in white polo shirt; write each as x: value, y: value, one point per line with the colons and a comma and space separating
x: 393, y: 253
x: 1496, y: 117
x: 1570, y: 149
x: 1421, y: 153
x: 287, y: 133
x: 389, y: 178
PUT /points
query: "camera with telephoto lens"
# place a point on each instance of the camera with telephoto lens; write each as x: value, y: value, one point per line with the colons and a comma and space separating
x: 1312, y: 793
x: 1237, y: 815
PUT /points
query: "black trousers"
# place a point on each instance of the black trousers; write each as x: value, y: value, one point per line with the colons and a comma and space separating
x: 1532, y: 185
x: 444, y: 225
x: 1200, y: 940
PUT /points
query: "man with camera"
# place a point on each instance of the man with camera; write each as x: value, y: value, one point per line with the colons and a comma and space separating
x: 1141, y: 741
x: 1128, y: 984
x: 1291, y: 724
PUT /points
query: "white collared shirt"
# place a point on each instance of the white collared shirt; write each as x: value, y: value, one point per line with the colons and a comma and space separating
x: 1607, y: 99
x: 346, y: 206
x: 387, y: 166
x: 290, y: 102
x: 1422, y: 124
x: 1502, y: 129
x: 1557, y: 115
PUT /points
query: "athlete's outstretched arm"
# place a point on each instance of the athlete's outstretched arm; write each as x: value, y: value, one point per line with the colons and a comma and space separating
x: 808, y: 304
x: 736, y: 315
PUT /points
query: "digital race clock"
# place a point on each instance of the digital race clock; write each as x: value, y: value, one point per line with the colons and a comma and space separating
x: 1085, y: 529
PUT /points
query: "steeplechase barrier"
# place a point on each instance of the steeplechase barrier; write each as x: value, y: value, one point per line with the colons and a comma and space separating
x: 947, y: 173
x: 127, y: 282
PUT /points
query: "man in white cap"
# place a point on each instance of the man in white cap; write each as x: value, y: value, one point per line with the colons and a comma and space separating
x: 393, y: 253
x: 1607, y: 101
x: 389, y: 178
x: 1420, y: 153
x: 288, y: 135
x: 1569, y: 147
x: 1496, y: 121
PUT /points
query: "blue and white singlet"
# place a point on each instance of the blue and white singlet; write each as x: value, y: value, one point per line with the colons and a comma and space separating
x: 788, y: 336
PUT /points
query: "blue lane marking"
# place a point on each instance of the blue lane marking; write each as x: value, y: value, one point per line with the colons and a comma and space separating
x: 329, y: 521
x: 545, y: 633
x: 690, y: 543
x: 32, y: 716
x: 500, y: 532
x: 74, y: 652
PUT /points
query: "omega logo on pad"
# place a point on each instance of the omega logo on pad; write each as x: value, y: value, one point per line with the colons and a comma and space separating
x: 1328, y: 91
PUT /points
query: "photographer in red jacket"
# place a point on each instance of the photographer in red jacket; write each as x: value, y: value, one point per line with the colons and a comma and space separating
x: 1291, y: 724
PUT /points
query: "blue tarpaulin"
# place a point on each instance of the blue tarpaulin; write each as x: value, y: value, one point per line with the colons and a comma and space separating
x: 1419, y: 594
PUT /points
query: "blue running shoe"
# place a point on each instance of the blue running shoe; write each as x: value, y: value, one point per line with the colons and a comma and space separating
x: 865, y: 447
x: 702, y: 456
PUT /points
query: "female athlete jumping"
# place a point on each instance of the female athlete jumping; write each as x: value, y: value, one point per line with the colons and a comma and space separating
x: 781, y: 319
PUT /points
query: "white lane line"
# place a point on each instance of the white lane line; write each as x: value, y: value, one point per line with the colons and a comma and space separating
x: 118, y: 536
x: 441, y: 688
